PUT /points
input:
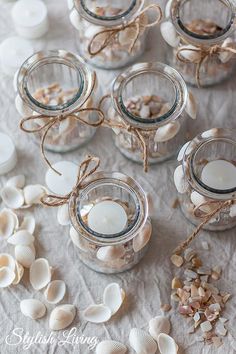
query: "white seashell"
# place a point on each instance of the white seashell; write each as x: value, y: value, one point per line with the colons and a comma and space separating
x: 111, y: 347
x: 77, y: 240
x: 191, y: 53
x: 6, y: 260
x: 55, y: 291
x: 214, y: 132
x: 166, y: 344
x: 16, y: 181
x: 182, y: 151
x: 63, y: 216
x: 167, y: 132
x: 232, y: 212
x: 70, y: 4
x: 28, y: 224
x: 179, y: 180
x: 7, y: 276
x: 32, y: 308
x: 12, y: 197
x: 19, y: 272
x: 226, y: 56
x: 142, y: 342
x: 127, y: 35
x: 97, y: 313
x: 40, y: 273
x: 33, y: 193
x: 21, y: 107
x: 21, y: 237
x: 75, y: 19
x: 113, y: 297
x: 143, y: 237
x: 191, y: 106
x: 8, y: 222
x: 61, y: 317
x: 110, y: 253
x: 157, y: 325
x: 25, y: 255
x: 15, y: 81
x: 169, y: 34
x: 168, y: 8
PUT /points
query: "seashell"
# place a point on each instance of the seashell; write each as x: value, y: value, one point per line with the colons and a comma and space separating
x: 28, y: 224
x: 8, y: 222
x: 127, y: 35
x: 111, y: 347
x: 22, y: 108
x: 75, y: 19
x: 169, y: 34
x: 167, y: 132
x: 168, y: 9
x: 191, y: 53
x: 157, y: 325
x: 16, y: 181
x: 70, y: 4
x: 143, y: 237
x: 232, y: 212
x: 55, y: 291
x: 33, y: 193
x: 191, y: 106
x: 25, y: 255
x: 6, y: 260
x: 179, y: 180
x: 12, y: 197
x: 197, y: 199
x: 97, y: 313
x: 113, y: 297
x: 110, y: 253
x: 21, y: 237
x: 142, y: 342
x: 182, y: 151
x: 32, y: 308
x: 40, y: 273
x: 226, y: 56
x: 61, y: 317
x: 63, y: 216
x: 7, y: 276
x: 15, y: 81
x: 166, y: 344
x: 19, y: 272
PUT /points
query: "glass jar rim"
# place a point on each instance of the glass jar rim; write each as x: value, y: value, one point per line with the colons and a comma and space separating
x: 173, y: 76
x: 124, y: 181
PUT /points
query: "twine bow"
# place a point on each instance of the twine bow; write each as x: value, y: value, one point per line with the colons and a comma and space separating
x: 107, y: 35
x: 205, y: 55
x: 84, y: 172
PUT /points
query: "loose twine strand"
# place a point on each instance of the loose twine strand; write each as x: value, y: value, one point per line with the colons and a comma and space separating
x: 108, y: 35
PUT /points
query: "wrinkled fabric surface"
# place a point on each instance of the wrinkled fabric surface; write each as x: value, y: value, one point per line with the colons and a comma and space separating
x: 148, y: 284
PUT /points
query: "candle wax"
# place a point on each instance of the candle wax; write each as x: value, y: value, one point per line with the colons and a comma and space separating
x: 8, y: 157
x: 219, y: 174
x: 107, y: 218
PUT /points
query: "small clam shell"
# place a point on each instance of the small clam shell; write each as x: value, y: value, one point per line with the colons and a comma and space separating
x: 8, y: 222
x: 167, y: 132
x: 168, y: 8
x: 25, y: 255
x: 6, y: 260
x: 191, y: 53
x: 157, y: 325
x: 33, y: 193
x: 7, y: 276
x: 143, y: 237
x: 21, y: 237
x: 226, y: 56
x: 142, y: 342
x: 12, y: 197
x: 16, y: 181
x: 55, y: 291
x: 40, y: 273
x: 182, y: 151
x: 77, y: 240
x: 110, y: 253
x: 166, y: 344
x: 214, y: 132
x: 21, y: 107
x: 75, y: 19
x: 28, y: 224
x: 179, y: 180
x: 191, y: 106
x: 110, y: 347
x: 232, y: 212
x: 113, y: 297
x: 61, y: 317
x: 32, y: 308
x: 19, y: 272
x: 97, y: 313
x: 63, y: 216
x: 169, y: 34
x: 127, y: 35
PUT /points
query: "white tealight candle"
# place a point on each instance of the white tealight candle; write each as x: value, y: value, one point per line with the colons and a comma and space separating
x: 219, y: 174
x: 63, y: 184
x: 107, y: 218
x: 30, y: 18
x: 8, y: 157
x: 13, y: 52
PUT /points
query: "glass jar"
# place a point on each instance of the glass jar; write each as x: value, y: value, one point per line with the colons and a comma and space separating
x: 53, y: 84
x: 104, y: 251
x: 201, y: 35
x: 122, y: 39
x: 206, y: 179
x: 150, y: 98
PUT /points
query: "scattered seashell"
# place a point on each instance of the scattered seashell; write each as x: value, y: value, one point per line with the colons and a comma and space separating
x: 167, y: 132
x: 110, y: 253
x: 22, y: 108
x: 77, y: 240
x: 63, y: 216
x: 226, y: 56
x: 12, y: 197
x: 142, y: 342
x: 176, y: 283
x: 205, y: 245
x: 191, y: 106
x: 6, y: 260
x: 157, y: 325
x: 182, y: 151
x: 113, y: 297
x: 206, y: 326
x: 8, y: 223
x: 40, y: 273
x: 232, y: 212
x: 169, y: 34
x: 61, y: 317
x: 16, y: 181
x: 25, y: 255
x: 19, y: 272
x: 143, y: 237
x: 167, y: 344
x: 32, y: 308
x: 33, y: 193
x: 21, y: 237
x: 97, y: 313
x: 191, y: 53
x: 28, y: 224
x: 7, y: 276
x: 55, y: 291
x: 127, y: 35
x: 179, y: 180
x: 177, y: 260
x: 75, y: 19
x: 110, y: 347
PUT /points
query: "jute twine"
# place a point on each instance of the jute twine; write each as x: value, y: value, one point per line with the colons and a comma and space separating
x: 108, y: 35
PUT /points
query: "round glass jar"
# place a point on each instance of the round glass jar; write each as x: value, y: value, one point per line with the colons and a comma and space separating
x: 110, y: 253
x: 202, y: 40
x: 54, y: 84
x: 111, y: 49
x: 206, y: 179
x: 151, y: 98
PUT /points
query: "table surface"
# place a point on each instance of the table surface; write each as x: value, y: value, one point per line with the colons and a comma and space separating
x: 148, y: 284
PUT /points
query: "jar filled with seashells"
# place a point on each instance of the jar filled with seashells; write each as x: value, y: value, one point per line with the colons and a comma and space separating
x: 201, y: 38
x: 150, y: 109
x: 110, y: 225
x: 206, y: 179
x: 57, y: 99
x: 111, y: 33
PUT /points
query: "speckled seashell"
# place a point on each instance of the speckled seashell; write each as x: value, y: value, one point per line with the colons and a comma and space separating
x: 169, y: 34
x: 55, y: 291
x: 33, y: 193
x: 97, y: 313
x: 142, y: 342
x: 191, y: 106
x: 40, y: 273
x: 25, y: 255
x: 179, y: 179
x: 61, y: 317
x: 12, y: 197
x: 63, y: 216
x: 143, y: 237
x: 110, y: 253
x: 8, y: 223
x: 19, y: 272
x: 113, y: 297
x: 22, y: 108
x: 183, y: 151
x: 166, y: 344
x: 78, y: 240
x: 226, y: 56
x: 28, y: 224
x: 190, y: 53
x: 167, y: 132
x: 110, y: 347
x: 7, y: 276
x: 32, y: 308
x: 157, y: 325
x: 16, y: 181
